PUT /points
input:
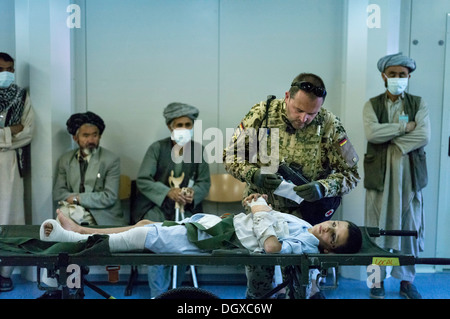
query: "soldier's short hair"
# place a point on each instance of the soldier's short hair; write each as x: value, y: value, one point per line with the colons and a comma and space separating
x: 306, y: 77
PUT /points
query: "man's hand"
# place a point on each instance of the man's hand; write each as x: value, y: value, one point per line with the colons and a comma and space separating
x: 410, y: 126
x: 310, y: 192
x: 17, y: 128
x: 188, y: 194
x: 73, y: 199
x: 182, y: 196
x: 266, y: 181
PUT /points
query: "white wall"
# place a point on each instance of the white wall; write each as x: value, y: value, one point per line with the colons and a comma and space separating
x: 7, y: 28
x: 142, y: 57
x: 221, y: 56
x: 429, y: 46
x: 43, y: 66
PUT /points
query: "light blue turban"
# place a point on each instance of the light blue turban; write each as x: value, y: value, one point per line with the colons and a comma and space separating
x: 176, y: 110
x: 396, y: 59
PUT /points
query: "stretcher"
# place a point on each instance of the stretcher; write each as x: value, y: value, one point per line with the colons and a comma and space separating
x: 297, y: 267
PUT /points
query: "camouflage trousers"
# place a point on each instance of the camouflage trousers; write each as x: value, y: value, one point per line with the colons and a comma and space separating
x: 260, y: 281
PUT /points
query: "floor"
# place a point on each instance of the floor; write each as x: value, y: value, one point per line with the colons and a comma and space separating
x: 430, y: 285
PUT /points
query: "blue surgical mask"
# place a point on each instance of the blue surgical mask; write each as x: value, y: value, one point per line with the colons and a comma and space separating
x: 6, y: 79
x: 397, y: 85
x: 182, y: 136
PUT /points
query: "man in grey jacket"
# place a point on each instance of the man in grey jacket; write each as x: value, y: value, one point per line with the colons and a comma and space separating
x: 89, y: 175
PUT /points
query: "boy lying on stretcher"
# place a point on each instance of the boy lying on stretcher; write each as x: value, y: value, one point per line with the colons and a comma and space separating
x: 265, y: 230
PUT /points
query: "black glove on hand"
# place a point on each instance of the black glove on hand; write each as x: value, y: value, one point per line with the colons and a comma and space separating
x: 267, y: 181
x: 310, y: 192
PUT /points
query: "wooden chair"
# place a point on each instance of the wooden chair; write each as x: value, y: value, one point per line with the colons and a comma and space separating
x: 225, y: 189
x: 124, y: 187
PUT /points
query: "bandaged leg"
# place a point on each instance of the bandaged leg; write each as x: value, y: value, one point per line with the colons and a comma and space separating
x: 130, y: 240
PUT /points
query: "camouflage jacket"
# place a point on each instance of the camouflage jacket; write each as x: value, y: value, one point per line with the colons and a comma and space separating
x: 322, y: 148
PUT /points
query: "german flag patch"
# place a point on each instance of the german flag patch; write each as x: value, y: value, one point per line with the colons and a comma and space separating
x: 342, y: 142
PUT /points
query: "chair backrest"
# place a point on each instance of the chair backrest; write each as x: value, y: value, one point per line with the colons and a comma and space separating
x: 124, y: 187
x: 225, y: 189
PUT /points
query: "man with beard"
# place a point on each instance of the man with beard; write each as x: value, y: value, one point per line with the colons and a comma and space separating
x: 312, y: 141
x: 89, y: 175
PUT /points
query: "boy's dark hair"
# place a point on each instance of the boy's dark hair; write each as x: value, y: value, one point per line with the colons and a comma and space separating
x: 354, y: 240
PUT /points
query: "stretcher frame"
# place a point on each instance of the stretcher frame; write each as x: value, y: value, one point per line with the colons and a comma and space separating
x: 297, y: 266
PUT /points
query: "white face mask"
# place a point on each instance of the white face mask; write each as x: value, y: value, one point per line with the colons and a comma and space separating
x: 182, y: 136
x: 397, y: 85
x: 6, y: 79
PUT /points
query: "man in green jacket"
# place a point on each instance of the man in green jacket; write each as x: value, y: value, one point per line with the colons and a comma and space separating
x: 175, y: 156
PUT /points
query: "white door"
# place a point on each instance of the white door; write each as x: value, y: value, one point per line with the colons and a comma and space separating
x: 430, y: 47
x: 443, y: 249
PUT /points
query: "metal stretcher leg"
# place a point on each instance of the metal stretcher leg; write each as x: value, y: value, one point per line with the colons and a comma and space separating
x: 131, y: 280
x: 178, y: 217
x: 297, y: 281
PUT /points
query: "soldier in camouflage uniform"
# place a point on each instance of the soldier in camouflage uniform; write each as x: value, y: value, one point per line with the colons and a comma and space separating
x: 305, y: 134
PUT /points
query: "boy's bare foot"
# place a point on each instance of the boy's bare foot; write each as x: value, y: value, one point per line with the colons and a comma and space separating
x: 67, y: 223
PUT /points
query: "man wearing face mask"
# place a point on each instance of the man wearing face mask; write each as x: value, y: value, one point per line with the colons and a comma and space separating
x: 16, y: 130
x: 397, y: 128
x: 156, y: 198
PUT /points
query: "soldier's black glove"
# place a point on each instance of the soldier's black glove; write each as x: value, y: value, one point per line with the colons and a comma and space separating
x: 267, y: 181
x: 310, y: 192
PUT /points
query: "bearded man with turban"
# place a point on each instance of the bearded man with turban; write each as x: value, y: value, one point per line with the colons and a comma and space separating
x: 397, y: 128
x: 89, y: 175
x: 175, y: 155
